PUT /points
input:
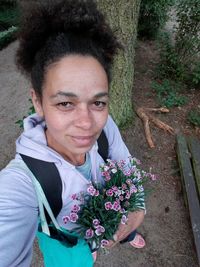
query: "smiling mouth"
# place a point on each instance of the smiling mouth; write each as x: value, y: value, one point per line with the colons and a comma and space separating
x: 83, y: 140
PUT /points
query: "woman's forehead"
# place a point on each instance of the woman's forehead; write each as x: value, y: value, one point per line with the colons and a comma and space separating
x: 74, y: 73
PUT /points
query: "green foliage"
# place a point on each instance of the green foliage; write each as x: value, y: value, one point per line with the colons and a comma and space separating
x: 168, y: 93
x: 194, y: 117
x: 195, y: 75
x: 30, y: 112
x: 7, y: 3
x: 152, y: 17
x: 172, y: 65
x: 179, y: 60
x: 9, y: 17
x: 7, y: 36
x: 188, y: 29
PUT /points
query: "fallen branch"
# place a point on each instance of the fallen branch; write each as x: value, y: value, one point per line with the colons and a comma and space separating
x: 146, y: 117
x: 162, y: 110
x: 147, y: 131
x: 161, y: 124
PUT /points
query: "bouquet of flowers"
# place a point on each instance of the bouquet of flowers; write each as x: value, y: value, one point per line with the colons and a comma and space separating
x: 105, y: 206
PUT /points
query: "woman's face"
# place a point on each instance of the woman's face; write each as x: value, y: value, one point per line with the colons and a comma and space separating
x: 74, y: 105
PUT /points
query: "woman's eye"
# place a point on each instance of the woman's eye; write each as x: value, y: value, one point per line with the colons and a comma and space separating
x: 64, y: 105
x: 100, y: 104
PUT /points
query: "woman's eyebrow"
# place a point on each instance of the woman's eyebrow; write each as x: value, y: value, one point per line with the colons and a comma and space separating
x: 70, y: 94
x: 61, y: 93
x: 102, y: 94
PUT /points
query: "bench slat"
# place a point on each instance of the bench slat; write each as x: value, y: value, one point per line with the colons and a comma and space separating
x: 194, y: 146
x: 189, y: 183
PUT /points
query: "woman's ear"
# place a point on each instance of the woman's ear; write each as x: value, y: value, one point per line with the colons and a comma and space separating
x: 37, y: 103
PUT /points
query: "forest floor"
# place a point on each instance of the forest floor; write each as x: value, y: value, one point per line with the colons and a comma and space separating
x: 166, y: 228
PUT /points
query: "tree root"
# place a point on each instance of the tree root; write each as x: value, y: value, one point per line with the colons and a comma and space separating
x: 146, y: 117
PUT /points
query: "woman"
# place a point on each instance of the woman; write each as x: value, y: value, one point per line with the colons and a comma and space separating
x: 66, y: 49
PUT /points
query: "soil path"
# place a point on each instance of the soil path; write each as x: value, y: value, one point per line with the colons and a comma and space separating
x: 166, y: 228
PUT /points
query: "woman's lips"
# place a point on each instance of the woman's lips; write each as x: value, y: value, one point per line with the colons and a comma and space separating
x: 83, y: 140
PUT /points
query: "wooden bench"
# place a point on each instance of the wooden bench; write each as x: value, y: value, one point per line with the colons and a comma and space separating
x: 188, y: 152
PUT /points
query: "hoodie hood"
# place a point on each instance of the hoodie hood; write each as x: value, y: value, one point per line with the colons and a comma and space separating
x: 32, y: 142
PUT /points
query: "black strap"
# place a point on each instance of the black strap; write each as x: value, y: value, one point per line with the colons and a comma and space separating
x: 103, y: 146
x: 49, y: 178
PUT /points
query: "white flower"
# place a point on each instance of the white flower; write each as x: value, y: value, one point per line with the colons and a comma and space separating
x: 114, y: 170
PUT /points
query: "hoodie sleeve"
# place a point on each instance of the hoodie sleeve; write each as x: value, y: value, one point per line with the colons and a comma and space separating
x: 18, y: 218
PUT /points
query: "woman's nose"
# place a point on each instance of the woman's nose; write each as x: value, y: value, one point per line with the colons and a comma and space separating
x: 84, y: 119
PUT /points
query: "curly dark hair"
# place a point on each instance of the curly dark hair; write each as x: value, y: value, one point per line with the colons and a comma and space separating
x: 52, y: 29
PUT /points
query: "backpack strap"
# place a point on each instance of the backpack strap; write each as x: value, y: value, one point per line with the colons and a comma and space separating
x: 45, y: 172
x: 103, y: 145
x: 49, y: 178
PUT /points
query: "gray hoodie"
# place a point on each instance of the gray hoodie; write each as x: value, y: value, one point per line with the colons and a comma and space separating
x: 18, y: 201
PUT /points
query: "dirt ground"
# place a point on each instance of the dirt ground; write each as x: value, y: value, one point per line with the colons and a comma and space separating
x: 166, y: 228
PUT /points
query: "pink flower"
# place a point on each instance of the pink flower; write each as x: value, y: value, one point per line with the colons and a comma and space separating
x: 138, y: 162
x: 128, y: 195
x: 129, y: 181
x: 96, y: 193
x: 104, y: 243
x: 124, y: 186
x: 121, y: 164
x: 75, y: 208
x: 133, y: 189
x: 107, y: 177
x: 109, y: 192
x: 95, y: 222
x: 124, y: 219
x: 105, y: 173
x: 91, y: 190
x: 116, y: 206
x: 73, y: 217
x: 66, y: 219
x: 108, y: 205
x: 121, y: 198
x: 89, y: 233
x: 153, y: 177
x: 134, y: 160
x: 128, y: 173
x: 100, y: 230
x: 74, y: 196
x: 115, y: 188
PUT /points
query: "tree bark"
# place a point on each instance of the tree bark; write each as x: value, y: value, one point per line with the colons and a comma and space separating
x: 123, y: 17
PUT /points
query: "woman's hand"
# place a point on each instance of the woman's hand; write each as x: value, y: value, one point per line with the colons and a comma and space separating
x: 134, y: 220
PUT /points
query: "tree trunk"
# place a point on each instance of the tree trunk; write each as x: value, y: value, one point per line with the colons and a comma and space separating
x: 123, y: 17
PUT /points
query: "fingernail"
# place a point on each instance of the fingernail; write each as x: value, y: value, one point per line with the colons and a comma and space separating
x: 115, y: 237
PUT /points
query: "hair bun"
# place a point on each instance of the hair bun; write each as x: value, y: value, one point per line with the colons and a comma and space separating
x: 46, y: 18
